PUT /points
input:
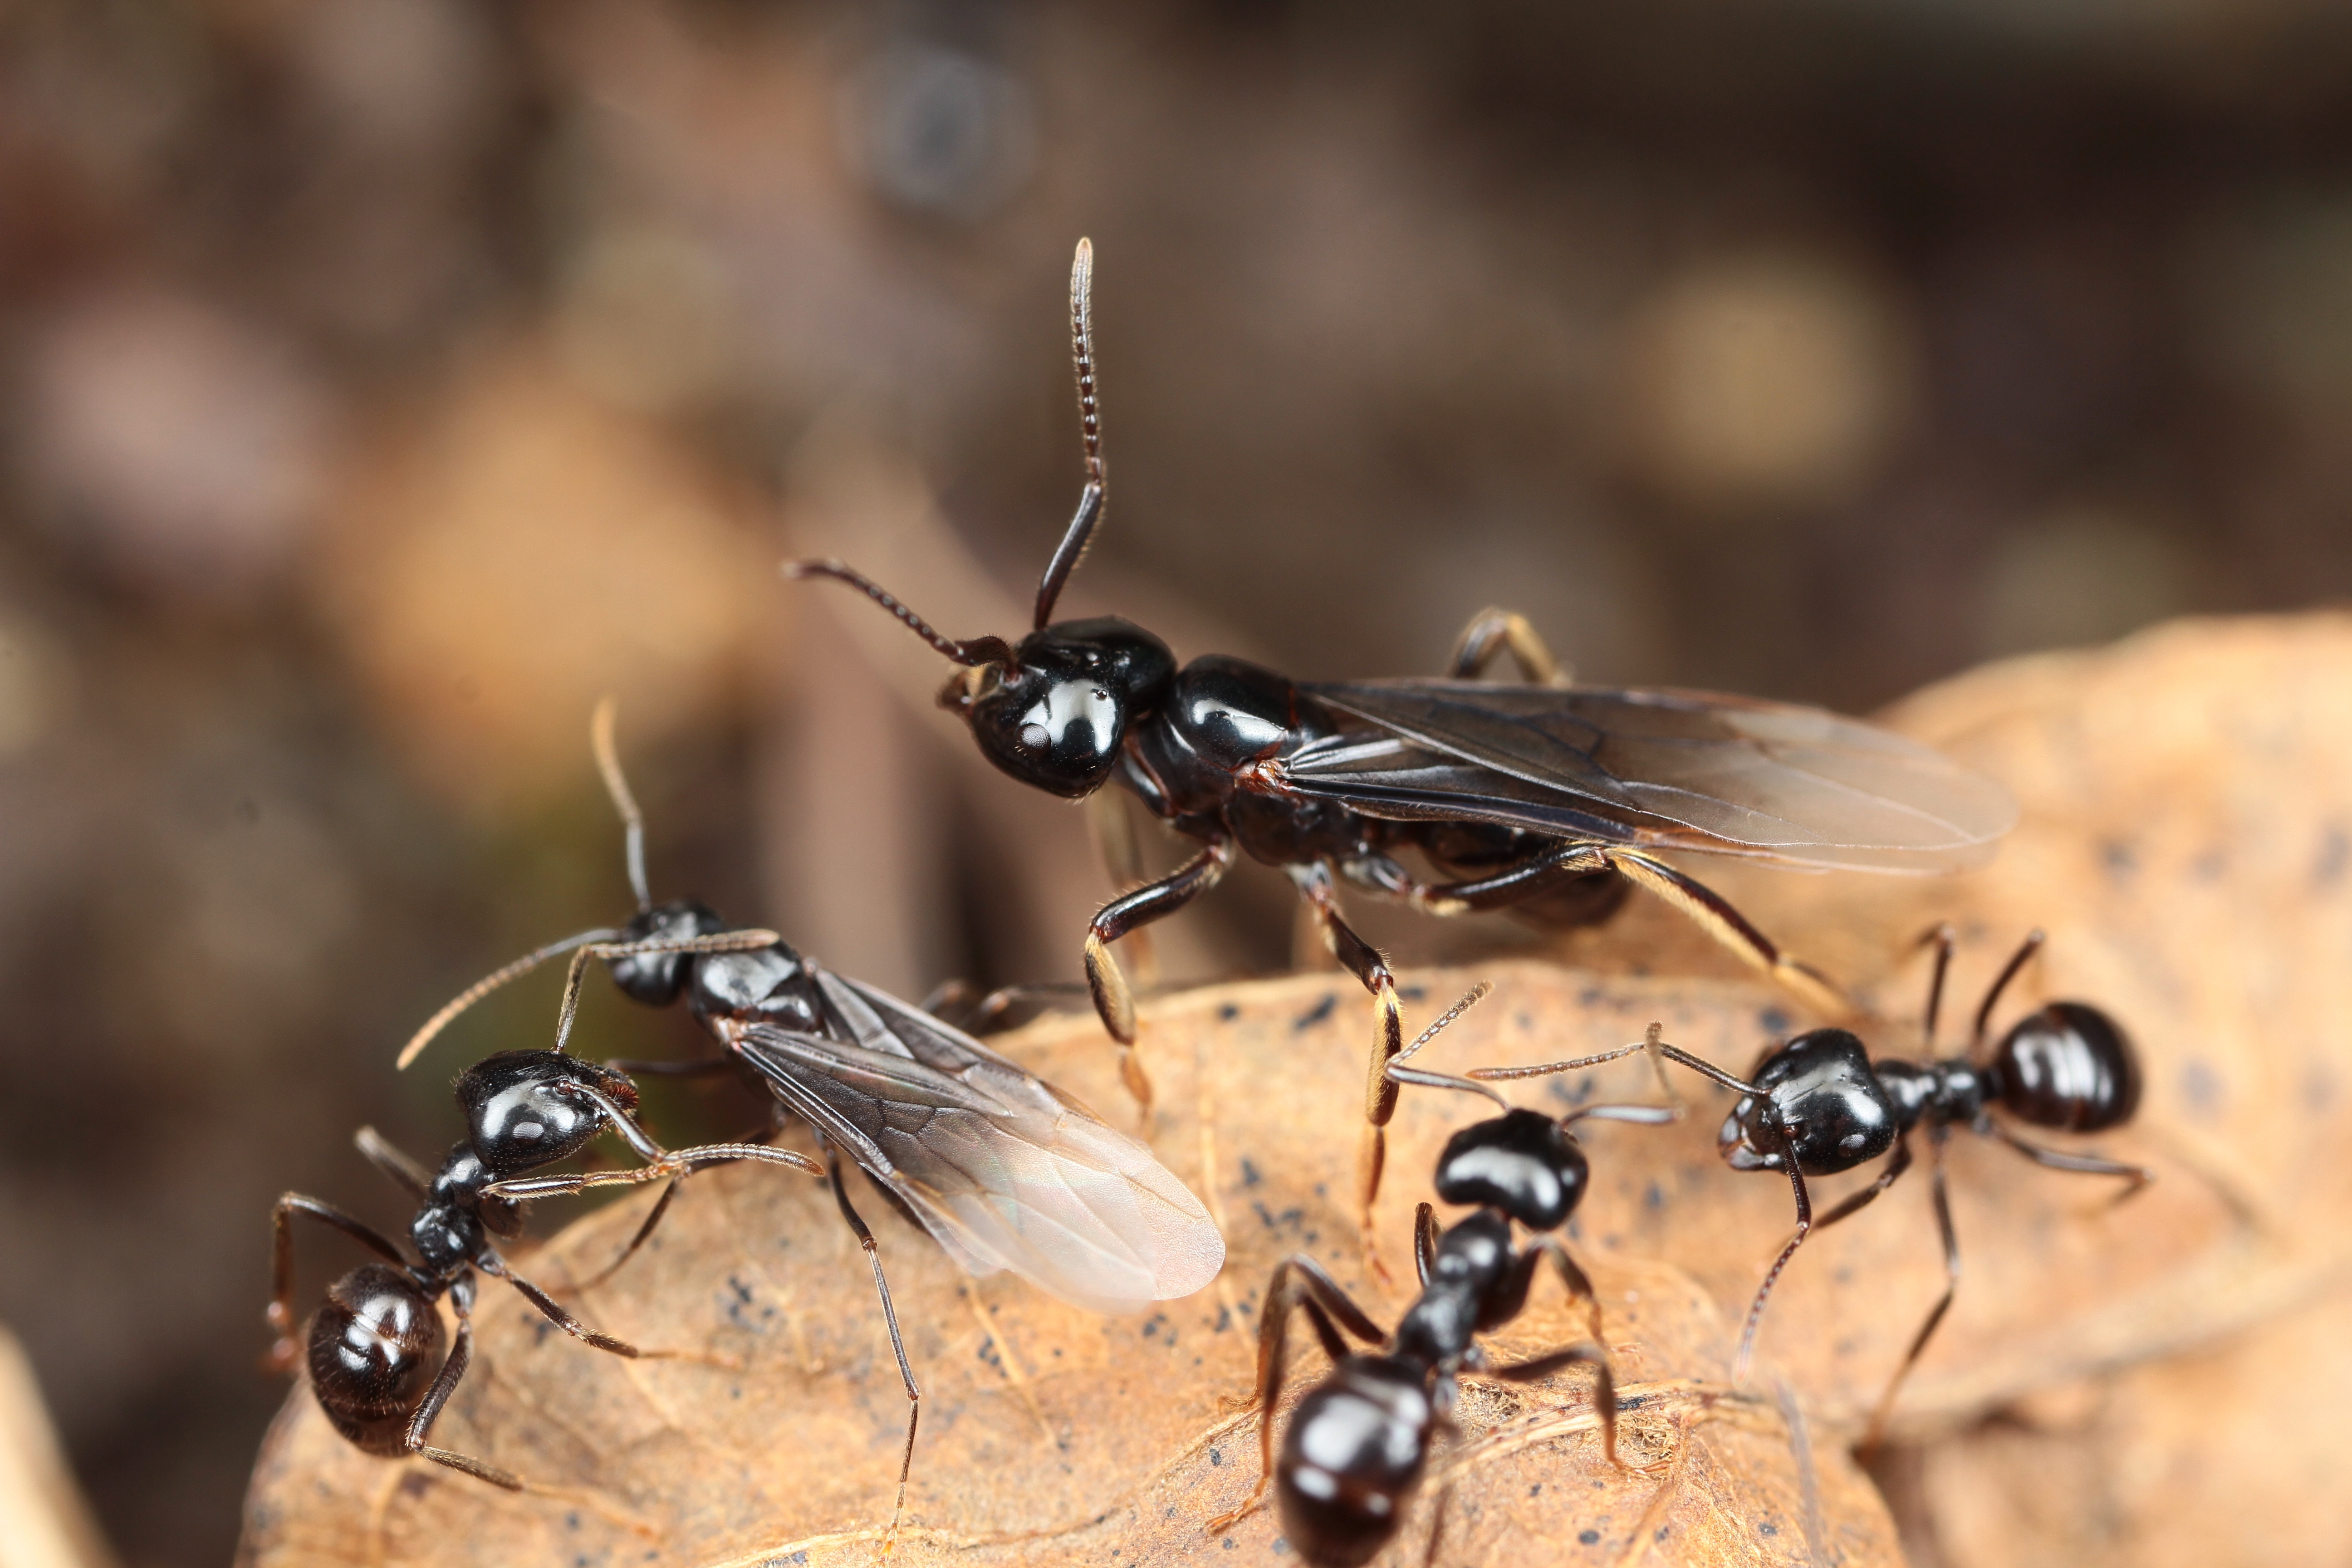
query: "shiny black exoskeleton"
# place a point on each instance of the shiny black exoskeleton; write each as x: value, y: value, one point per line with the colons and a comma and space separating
x: 1359, y: 1441
x: 1818, y: 1105
x: 1541, y: 799
x: 375, y: 1349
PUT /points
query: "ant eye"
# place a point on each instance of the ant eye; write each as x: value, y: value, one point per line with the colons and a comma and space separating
x: 1036, y: 737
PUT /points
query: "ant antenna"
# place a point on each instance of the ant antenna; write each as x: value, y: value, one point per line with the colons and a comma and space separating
x: 492, y: 982
x: 1074, y: 539
x: 1943, y: 936
x: 2027, y: 949
x: 970, y: 655
x: 1398, y: 1073
x: 616, y: 784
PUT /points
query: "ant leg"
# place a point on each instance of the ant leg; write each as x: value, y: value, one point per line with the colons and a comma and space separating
x: 1936, y: 1135
x: 1772, y: 1275
x: 406, y: 1173
x: 1364, y: 960
x: 2025, y: 949
x: 1437, y: 1524
x: 1715, y: 915
x: 496, y: 1266
x: 746, y: 939
x: 889, y: 1316
x: 1943, y: 938
x: 420, y: 1425
x: 1604, y: 1383
x: 1572, y: 1275
x: 1424, y: 1242
x: 1492, y: 631
x: 281, y: 1315
x: 1896, y: 1164
x: 660, y: 1208
x: 1298, y: 1281
x: 1120, y: 847
x: 1113, y: 1001
x: 2135, y: 1176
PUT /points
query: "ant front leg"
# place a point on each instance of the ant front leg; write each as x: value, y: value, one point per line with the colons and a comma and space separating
x: 1490, y: 632
x: 1936, y: 1136
x: 1772, y: 1275
x: 1113, y: 1002
x: 1364, y: 961
x: 1298, y: 1283
x: 283, y: 1350
x: 420, y: 1425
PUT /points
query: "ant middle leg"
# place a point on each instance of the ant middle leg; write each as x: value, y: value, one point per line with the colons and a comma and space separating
x: 1938, y: 1135
x: 1896, y: 1163
x: 1298, y: 1283
x: 1114, y: 1002
x: 1491, y: 632
x: 283, y: 1350
x: 890, y: 1317
x: 1587, y: 1352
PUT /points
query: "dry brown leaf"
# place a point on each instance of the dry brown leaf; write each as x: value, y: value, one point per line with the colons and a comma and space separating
x: 2185, y: 842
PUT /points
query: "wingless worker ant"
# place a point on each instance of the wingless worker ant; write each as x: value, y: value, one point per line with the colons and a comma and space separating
x: 375, y: 1347
x: 1359, y: 1440
x: 1536, y: 797
x: 1819, y: 1104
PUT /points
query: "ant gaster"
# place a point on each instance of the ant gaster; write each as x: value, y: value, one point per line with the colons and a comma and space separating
x: 375, y: 1350
x: 1542, y: 798
x: 1819, y: 1104
x: 1359, y: 1441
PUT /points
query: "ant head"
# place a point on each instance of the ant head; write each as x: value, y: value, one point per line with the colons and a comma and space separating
x: 2068, y: 1067
x: 1054, y: 715
x: 528, y: 1108
x: 656, y: 978
x: 1822, y: 1095
x: 1523, y: 1163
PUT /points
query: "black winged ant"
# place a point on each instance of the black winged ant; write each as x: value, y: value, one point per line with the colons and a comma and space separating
x: 1542, y: 798
x: 1818, y: 1104
x: 1359, y: 1441
x: 1002, y: 1169
x: 375, y: 1350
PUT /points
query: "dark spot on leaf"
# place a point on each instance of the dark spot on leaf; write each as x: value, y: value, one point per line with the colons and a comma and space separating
x: 1767, y: 1528
x: 2335, y: 853
x: 1536, y: 1490
x: 1773, y: 1021
x: 1412, y: 992
x: 2118, y: 860
x: 1227, y: 1013
x: 1654, y: 1195
x: 1632, y: 1402
x: 1216, y: 1457
x: 2200, y: 1085
x: 1317, y: 1014
x: 1587, y: 1537
x: 1251, y: 1175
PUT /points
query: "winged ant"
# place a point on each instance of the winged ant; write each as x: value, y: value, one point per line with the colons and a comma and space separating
x: 1819, y: 1104
x: 375, y: 1352
x: 1543, y: 798
x: 1002, y: 1169
x: 1359, y: 1441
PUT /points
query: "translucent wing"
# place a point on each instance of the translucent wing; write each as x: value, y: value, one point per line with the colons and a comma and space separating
x: 1674, y: 769
x: 1003, y: 1169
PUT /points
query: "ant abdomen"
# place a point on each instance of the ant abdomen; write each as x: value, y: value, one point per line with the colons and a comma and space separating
x: 375, y: 1347
x: 2068, y: 1067
x: 1352, y: 1458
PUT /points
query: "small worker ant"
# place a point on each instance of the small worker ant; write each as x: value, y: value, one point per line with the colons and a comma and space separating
x: 1359, y: 1440
x: 1818, y: 1104
x: 375, y: 1352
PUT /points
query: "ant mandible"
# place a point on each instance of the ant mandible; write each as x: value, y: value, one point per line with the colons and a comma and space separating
x: 1818, y: 1105
x: 1359, y: 1440
x: 375, y: 1346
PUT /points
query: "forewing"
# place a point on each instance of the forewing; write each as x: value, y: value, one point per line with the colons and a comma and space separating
x: 1673, y: 769
x: 1002, y: 1169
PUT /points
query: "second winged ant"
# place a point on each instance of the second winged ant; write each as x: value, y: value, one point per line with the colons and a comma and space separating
x: 1003, y: 1170
x: 1819, y: 1104
x: 1359, y: 1441
x: 1542, y: 798
x: 375, y: 1352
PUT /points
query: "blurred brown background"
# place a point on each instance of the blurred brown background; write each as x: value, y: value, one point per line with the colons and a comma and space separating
x: 383, y: 380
